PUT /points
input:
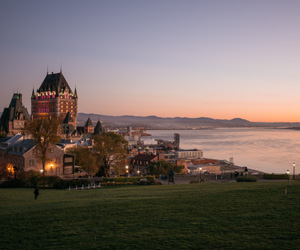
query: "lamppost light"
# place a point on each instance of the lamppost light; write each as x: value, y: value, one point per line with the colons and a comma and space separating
x: 42, y: 170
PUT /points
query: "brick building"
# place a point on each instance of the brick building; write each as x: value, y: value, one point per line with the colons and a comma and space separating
x: 141, y: 163
x: 55, y: 98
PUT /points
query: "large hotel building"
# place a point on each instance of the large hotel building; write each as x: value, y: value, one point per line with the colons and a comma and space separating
x: 55, y: 98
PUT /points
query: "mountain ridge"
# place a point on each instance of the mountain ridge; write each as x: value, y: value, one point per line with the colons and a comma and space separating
x: 155, y: 122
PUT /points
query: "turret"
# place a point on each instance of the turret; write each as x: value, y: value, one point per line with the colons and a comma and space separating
x: 75, y: 93
x: 33, y: 94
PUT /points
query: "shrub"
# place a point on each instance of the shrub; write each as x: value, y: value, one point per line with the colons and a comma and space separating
x: 276, y: 176
x: 48, y: 181
x: 246, y: 179
x: 63, y: 183
x: 18, y: 183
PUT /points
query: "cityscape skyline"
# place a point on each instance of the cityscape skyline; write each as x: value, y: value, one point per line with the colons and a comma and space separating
x: 218, y: 59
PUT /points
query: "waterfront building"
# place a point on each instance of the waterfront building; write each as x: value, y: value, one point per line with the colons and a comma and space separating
x: 189, y: 154
x: 177, y: 141
x: 55, y: 98
x: 13, y: 118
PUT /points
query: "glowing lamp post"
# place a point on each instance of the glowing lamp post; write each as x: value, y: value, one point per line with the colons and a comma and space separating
x: 200, y: 169
x: 288, y: 173
x: 294, y: 165
x: 126, y: 173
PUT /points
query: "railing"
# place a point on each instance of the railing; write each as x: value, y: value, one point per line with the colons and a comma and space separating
x: 82, y: 187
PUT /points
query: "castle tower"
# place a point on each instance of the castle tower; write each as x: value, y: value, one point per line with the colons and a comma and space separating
x: 13, y: 118
x: 98, y: 130
x: 88, y: 127
x: 55, y: 98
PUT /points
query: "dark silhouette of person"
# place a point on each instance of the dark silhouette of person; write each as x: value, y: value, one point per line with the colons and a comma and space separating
x: 36, y: 192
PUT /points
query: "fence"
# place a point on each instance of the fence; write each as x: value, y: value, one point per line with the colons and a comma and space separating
x: 89, y: 186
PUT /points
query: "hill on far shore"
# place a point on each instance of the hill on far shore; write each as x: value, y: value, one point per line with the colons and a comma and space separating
x: 154, y: 122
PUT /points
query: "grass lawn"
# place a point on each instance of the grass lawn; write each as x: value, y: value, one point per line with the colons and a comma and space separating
x: 195, y: 216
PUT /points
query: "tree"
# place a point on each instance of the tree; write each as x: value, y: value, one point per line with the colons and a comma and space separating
x: 110, y: 148
x: 85, y: 158
x: 44, y: 133
x: 163, y: 167
x: 3, y: 134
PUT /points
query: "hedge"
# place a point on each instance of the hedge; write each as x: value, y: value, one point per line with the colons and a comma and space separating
x: 246, y: 179
x: 13, y: 184
x: 72, y: 182
x: 276, y: 176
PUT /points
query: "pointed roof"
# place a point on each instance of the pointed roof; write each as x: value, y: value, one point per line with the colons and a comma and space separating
x: 14, y: 111
x: 98, y: 128
x: 54, y: 82
x: 33, y: 94
x: 89, y: 123
x: 75, y: 92
x: 68, y: 118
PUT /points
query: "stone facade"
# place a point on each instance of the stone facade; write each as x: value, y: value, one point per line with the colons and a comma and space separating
x: 55, y: 98
x: 21, y: 156
x: 13, y: 118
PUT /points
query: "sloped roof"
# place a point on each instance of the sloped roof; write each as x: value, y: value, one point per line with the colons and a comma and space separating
x: 13, y: 111
x: 89, y: 123
x: 98, y: 128
x: 144, y: 157
x: 54, y: 82
x: 68, y: 118
x: 21, y: 147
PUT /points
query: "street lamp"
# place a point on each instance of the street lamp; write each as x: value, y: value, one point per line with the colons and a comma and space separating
x: 138, y: 172
x: 200, y: 174
x: 294, y: 165
x: 288, y: 173
x: 126, y: 173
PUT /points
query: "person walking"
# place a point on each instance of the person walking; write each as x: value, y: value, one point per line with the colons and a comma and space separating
x: 36, y: 192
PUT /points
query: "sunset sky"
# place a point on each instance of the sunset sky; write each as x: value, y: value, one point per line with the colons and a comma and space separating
x: 219, y: 59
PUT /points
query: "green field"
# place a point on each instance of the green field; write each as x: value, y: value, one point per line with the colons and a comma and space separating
x: 195, y: 216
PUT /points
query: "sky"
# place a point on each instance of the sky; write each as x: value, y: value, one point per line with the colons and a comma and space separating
x: 168, y: 58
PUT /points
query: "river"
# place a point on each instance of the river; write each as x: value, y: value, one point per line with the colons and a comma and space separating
x: 263, y: 149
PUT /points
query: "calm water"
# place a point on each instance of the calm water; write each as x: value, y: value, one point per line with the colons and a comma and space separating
x: 268, y: 150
